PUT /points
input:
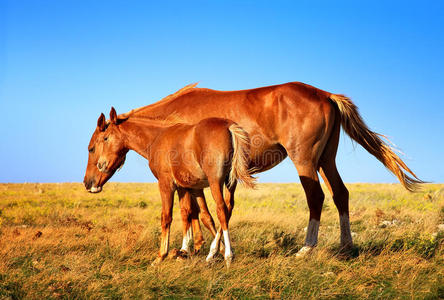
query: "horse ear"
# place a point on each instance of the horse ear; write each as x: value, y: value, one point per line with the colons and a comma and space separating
x: 113, y: 116
x: 101, y: 122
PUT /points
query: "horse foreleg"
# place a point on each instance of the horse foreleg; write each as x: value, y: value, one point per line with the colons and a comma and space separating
x: 185, y: 212
x: 167, y: 194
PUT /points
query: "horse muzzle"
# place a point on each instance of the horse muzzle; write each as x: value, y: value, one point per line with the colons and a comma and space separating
x: 95, y: 189
x: 90, y: 186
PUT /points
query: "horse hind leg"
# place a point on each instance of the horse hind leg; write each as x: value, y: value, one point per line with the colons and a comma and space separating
x: 306, y: 160
x: 197, y: 230
x: 222, y: 214
x: 229, y: 202
x: 189, y: 213
x: 205, y: 215
x: 341, y: 198
x: 315, y: 199
x: 336, y: 186
x: 229, y: 197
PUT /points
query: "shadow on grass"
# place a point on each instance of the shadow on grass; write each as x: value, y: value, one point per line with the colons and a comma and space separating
x: 10, y: 288
x: 423, y: 246
x: 277, y: 243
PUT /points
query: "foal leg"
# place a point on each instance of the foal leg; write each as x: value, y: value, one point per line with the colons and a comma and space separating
x: 222, y: 214
x: 185, y: 212
x: 205, y: 215
x: 167, y: 194
x: 195, y: 210
x: 229, y: 197
x: 229, y: 202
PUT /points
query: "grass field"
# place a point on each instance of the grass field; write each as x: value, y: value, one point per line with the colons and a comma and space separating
x: 58, y: 241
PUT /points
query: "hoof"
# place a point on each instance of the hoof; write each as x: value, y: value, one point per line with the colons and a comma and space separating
x: 304, y: 251
x: 197, y: 251
x: 182, y: 255
x: 209, y: 259
x: 197, y: 248
x: 348, y: 251
x: 228, y: 261
x: 216, y: 260
x: 347, y: 247
x: 156, y: 262
x: 174, y: 253
x: 178, y: 254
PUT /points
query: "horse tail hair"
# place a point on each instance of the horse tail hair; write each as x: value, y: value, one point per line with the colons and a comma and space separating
x: 355, y: 127
x: 240, y: 159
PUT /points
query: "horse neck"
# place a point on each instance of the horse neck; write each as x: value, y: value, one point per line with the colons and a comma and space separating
x: 139, y: 135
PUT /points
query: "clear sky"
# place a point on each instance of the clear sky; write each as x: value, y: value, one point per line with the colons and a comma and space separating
x: 62, y: 63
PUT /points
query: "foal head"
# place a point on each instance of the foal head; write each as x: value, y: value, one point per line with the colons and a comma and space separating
x: 107, y: 153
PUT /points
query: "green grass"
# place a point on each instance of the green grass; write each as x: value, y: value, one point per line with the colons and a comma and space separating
x: 58, y: 241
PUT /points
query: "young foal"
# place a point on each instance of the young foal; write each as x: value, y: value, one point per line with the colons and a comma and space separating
x: 191, y: 204
x: 187, y: 158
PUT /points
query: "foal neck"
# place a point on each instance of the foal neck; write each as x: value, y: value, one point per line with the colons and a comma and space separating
x: 139, y: 133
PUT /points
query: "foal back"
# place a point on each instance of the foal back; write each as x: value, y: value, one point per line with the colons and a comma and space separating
x: 193, y: 155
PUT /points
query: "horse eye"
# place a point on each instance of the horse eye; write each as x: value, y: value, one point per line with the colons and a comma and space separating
x: 91, y: 150
x: 105, y: 138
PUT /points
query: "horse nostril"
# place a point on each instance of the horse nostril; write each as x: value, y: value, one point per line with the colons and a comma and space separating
x: 88, y: 183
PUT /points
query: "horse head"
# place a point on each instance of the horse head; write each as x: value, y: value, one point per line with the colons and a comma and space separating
x: 107, y: 152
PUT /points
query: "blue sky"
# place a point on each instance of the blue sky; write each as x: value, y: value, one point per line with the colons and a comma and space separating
x: 62, y: 63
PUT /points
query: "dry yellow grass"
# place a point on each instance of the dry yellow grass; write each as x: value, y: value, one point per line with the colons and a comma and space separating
x: 58, y: 241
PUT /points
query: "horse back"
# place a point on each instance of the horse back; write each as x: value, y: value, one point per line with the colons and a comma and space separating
x: 275, y: 117
x: 189, y: 154
x: 213, y: 141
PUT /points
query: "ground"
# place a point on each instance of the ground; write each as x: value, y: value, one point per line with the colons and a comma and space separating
x: 58, y: 241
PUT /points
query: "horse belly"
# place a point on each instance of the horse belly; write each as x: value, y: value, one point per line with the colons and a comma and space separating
x: 186, y: 178
x: 267, y: 157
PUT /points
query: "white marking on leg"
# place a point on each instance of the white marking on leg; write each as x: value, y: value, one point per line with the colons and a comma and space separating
x: 304, y: 251
x: 346, y: 236
x: 312, y: 233
x: 228, y: 252
x: 166, y: 244
x: 214, y: 248
x: 186, y: 240
x: 311, y: 238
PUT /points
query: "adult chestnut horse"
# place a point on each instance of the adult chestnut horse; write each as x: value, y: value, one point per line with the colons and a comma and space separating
x: 293, y: 119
